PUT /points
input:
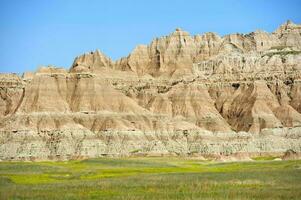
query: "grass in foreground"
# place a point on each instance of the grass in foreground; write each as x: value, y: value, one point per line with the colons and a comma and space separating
x: 150, y: 178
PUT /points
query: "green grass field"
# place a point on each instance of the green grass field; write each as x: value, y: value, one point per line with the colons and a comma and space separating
x: 150, y: 178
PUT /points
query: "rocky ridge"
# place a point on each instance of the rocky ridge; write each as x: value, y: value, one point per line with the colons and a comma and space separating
x: 179, y: 95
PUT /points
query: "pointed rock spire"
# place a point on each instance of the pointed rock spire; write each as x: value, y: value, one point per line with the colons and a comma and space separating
x: 91, y: 61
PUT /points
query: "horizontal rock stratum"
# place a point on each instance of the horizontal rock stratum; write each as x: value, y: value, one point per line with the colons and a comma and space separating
x: 179, y: 95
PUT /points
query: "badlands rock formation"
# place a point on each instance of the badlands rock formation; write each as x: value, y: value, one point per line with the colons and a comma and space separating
x: 179, y: 95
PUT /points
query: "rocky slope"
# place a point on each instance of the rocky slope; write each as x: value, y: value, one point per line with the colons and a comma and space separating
x: 179, y: 95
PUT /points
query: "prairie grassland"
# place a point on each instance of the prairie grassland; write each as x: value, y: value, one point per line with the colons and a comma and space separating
x: 150, y: 178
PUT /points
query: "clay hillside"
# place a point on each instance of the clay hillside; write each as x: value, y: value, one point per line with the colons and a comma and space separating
x: 179, y: 95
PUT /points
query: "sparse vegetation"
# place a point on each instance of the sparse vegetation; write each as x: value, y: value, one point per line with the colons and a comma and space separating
x: 282, y: 53
x: 279, y: 48
x: 136, y: 151
x: 150, y: 178
x: 265, y: 158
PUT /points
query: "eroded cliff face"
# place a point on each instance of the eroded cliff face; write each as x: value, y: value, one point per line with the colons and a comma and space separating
x: 180, y: 94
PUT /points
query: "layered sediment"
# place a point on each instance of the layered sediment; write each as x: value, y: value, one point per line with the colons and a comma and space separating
x: 179, y: 95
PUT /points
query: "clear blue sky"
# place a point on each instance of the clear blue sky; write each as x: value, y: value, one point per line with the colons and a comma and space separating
x: 43, y: 32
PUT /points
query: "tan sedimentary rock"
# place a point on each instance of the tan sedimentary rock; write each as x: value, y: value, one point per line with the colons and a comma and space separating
x: 180, y: 95
x: 11, y: 93
x: 91, y: 62
x: 192, y: 102
x: 289, y: 34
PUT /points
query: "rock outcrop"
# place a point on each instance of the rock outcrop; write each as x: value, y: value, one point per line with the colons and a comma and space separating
x: 180, y: 95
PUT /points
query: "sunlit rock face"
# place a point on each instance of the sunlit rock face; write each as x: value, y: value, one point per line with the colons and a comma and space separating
x: 179, y: 95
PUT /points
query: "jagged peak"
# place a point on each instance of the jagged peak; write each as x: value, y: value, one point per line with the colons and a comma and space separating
x: 288, y: 25
x: 179, y: 32
x: 256, y: 33
x: 90, y: 61
x: 97, y: 52
x: 208, y: 35
x: 140, y: 46
x: 94, y: 54
x: 194, y: 47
